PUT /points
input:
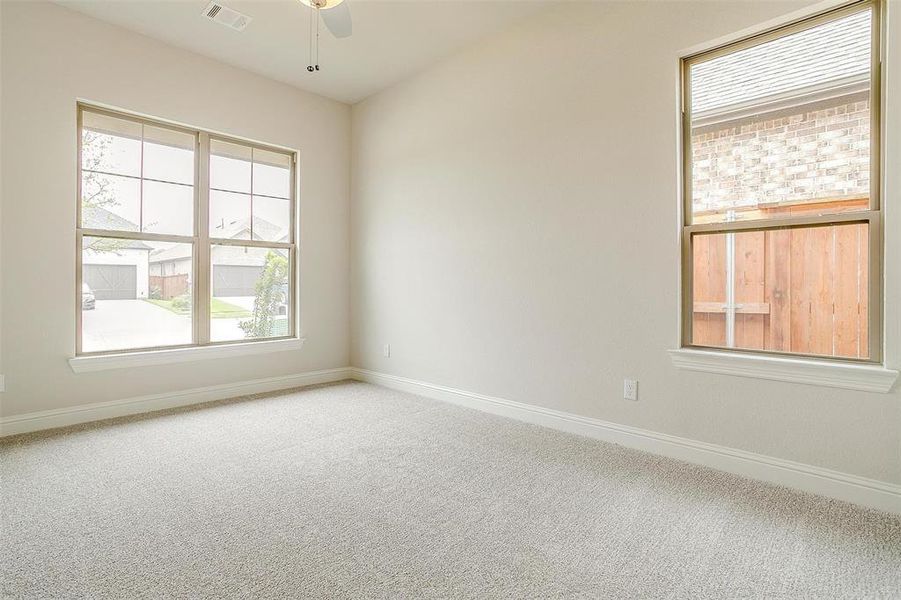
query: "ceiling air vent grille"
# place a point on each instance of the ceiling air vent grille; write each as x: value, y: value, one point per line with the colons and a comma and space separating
x: 226, y: 16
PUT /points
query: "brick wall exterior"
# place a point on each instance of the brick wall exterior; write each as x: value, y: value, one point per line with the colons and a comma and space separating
x: 821, y: 153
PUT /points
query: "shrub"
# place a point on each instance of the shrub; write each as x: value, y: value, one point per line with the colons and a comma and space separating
x: 271, y: 292
x: 182, y: 303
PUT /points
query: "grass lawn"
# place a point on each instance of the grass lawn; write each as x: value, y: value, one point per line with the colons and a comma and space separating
x: 218, y: 309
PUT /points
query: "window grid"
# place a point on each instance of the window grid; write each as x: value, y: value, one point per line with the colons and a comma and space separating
x: 201, y: 242
x: 871, y: 217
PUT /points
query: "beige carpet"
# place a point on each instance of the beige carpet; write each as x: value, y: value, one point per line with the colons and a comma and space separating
x: 354, y: 491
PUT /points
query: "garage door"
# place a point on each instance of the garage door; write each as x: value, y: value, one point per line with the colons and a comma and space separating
x: 112, y: 282
x: 235, y: 280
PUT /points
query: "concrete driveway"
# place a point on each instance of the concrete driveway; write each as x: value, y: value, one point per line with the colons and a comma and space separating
x: 124, y: 324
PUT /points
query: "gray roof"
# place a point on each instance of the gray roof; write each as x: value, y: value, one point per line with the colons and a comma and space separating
x: 94, y: 217
x: 837, y: 51
x: 262, y: 229
x: 235, y: 230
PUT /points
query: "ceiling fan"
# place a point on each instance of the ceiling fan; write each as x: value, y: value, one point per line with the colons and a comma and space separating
x: 336, y: 16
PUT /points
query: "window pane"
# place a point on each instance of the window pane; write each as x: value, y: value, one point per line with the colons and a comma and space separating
x: 271, y: 219
x: 251, y: 298
x: 790, y: 290
x: 271, y: 174
x: 110, y: 202
x: 168, y: 155
x: 230, y: 166
x: 135, y: 294
x: 783, y: 128
x: 229, y: 215
x: 168, y: 208
x: 110, y: 145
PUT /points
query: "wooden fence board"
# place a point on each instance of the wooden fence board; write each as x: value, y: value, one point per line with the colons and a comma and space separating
x: 812, y: 257
x: 710, y: 285
x: 801, y: 290
x: 846, y: 278
x: 778, y: 289
x: 749, y: 288
x: 169, y: 286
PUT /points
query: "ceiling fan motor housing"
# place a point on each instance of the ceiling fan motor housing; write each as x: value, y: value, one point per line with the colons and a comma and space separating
x: 322, y: 4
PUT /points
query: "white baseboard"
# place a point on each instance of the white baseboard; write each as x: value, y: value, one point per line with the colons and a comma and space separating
x: 49, y: 419
x: 834, y: 484
x: 843, y: 486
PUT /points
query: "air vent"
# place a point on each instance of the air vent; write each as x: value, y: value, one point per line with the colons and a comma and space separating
x: 226, y: 16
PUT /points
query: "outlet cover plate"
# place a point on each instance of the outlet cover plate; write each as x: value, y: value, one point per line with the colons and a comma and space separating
x: 630, y: 389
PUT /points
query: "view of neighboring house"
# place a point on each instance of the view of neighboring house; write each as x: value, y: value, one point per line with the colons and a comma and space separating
x: 236, y: 269
x: 768, y: 132
x: 136, y: 281
x: 131, y: 269
x: 772, y: 137
x: 114, y: 270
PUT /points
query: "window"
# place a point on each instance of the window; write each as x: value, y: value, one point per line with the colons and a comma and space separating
x: 781, y: 238
x: 185, y: 238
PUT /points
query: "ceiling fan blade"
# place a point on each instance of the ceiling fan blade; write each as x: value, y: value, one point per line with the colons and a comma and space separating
x: 337, y: 20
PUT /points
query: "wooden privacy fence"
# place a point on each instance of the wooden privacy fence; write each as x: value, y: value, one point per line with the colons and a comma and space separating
x: 170, y: 286
x: 795, y: 290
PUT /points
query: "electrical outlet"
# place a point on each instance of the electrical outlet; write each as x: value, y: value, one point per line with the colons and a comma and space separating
x: 387, y: 350
x: 630, y: 389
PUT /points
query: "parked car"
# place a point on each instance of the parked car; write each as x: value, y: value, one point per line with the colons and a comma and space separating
x: 87, y: 297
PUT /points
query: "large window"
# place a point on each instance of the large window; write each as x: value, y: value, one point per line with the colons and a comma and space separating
x: 781, y: 214
x: 185, y: 238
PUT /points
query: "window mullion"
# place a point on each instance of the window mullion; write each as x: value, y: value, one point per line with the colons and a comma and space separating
x: 243, y: 243
x: 79, y: 274
x: 783, y: 223
x: 79, y: 267
x: 141, y: 186
x: 202, y: 250
x: 874, y: 288
x: 136, y: 235
x: 687, y: 322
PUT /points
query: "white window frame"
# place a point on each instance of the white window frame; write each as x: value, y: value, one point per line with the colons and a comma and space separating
x: 873, y: 216
x: 201, y: 346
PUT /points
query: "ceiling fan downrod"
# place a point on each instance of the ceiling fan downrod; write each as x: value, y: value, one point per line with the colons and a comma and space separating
x: 336, y: 19
x: 313, y: 64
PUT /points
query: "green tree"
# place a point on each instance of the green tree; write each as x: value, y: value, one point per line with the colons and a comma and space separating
x: 271, y: 292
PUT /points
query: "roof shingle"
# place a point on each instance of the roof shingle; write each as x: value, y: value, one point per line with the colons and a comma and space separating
x: 835, y: 51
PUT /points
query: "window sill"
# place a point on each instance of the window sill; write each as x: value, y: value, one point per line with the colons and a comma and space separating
x: 104, y: 362
x: 849, y: 376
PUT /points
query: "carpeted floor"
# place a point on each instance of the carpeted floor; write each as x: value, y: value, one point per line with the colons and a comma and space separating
x: 355, y: 491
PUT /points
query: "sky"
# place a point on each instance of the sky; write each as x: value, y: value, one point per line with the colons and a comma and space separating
x: 127, y: 164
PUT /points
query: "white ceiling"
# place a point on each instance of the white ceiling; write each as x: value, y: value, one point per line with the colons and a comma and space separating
x: 391, y: 39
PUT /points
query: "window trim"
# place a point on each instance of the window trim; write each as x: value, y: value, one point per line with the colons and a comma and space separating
x: 88, y: 363
x: 864, y: 377
x: 201, y: 259
x: 873, y: 217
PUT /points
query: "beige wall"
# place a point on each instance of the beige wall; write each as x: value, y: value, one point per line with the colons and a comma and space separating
x: 515, y: 233
x: 52, y: 56
x: 514, y: 222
